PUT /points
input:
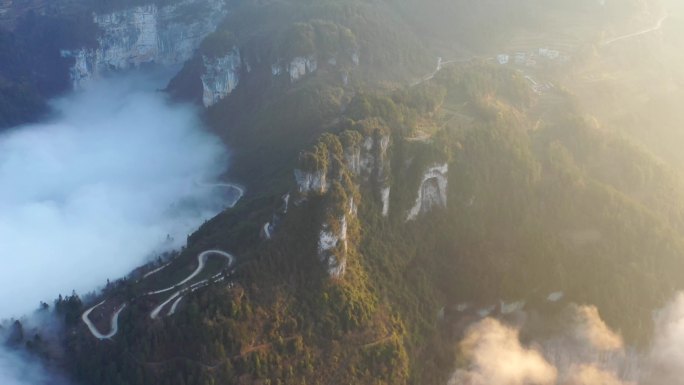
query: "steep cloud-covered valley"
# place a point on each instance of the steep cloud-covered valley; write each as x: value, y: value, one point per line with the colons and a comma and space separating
x: 117, y: 175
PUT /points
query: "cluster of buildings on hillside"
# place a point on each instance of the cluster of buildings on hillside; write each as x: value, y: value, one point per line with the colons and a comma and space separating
x: 531, y: 59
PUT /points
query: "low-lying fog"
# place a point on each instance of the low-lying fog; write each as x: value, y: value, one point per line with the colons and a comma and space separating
x: 585, y: 351
x: 118, y: 174
x: 15, y: 369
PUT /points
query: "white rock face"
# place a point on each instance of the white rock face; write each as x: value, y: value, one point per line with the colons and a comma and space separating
x: 382, y: 163
x: 327, y: 242
x: 297, y: 68
x: 385, y: 195
x: 80, y: 72
x: 130, y: 37
x: 367, y: 160
x: 384, y: 143
x: 146, y: 34
x: 276, y: 69
x: 221, y: 76
x: 300, y: 67
x: 352, y: 157
x: 311, y: 181
x: 432, y: 192
x: 370, y: 159
x: 353, y: 208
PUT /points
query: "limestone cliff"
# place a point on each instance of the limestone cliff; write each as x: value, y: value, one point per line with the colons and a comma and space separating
x: 332, y: 247
x: 221, y: 76
x: 311, y: 181
x: 432, y: 191
x: 146, y: 34
x: 366, y: 156
x: 301, y: 66
x: 323, y: 174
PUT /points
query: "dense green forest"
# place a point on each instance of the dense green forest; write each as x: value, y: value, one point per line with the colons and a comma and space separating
x: 541, y: 215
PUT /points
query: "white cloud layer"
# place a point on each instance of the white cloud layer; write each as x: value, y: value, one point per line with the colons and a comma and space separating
x: 497, y: 358
x: 16, y: 370
x: 587, y: 353
x: 93, y: 192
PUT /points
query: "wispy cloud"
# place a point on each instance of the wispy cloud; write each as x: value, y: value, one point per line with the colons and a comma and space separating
x: 497, y: 357
x: 16, y: 369
x: 587, y: 352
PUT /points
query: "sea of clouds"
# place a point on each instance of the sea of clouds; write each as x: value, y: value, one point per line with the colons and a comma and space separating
x: 118, y: 174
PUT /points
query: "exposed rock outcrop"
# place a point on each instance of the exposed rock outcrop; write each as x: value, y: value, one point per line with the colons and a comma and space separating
x: 301, y: 66
x: 372, y: 160
x: 323, y: 171
x: 311, y: 181
x: 352, y: 157
x: 146, y: 34
x: 276, y: 69
x: 384, y: 196
x: 221, y: 76
x: 366, y: 158
x: 432, y: 191
x: 332, y: 247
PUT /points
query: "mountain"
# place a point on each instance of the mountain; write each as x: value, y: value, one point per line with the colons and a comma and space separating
x: 389, y: 203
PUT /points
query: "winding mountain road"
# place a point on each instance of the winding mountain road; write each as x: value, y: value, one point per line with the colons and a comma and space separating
x: 202, y: 260
x: 114, y: 322
x: 155, y: 313
x: 160, y: 268
x: 178, y: 295
x: 175, y: 305
x: 240, y: 190
x: 432, y: 74
x: 656, y: 27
